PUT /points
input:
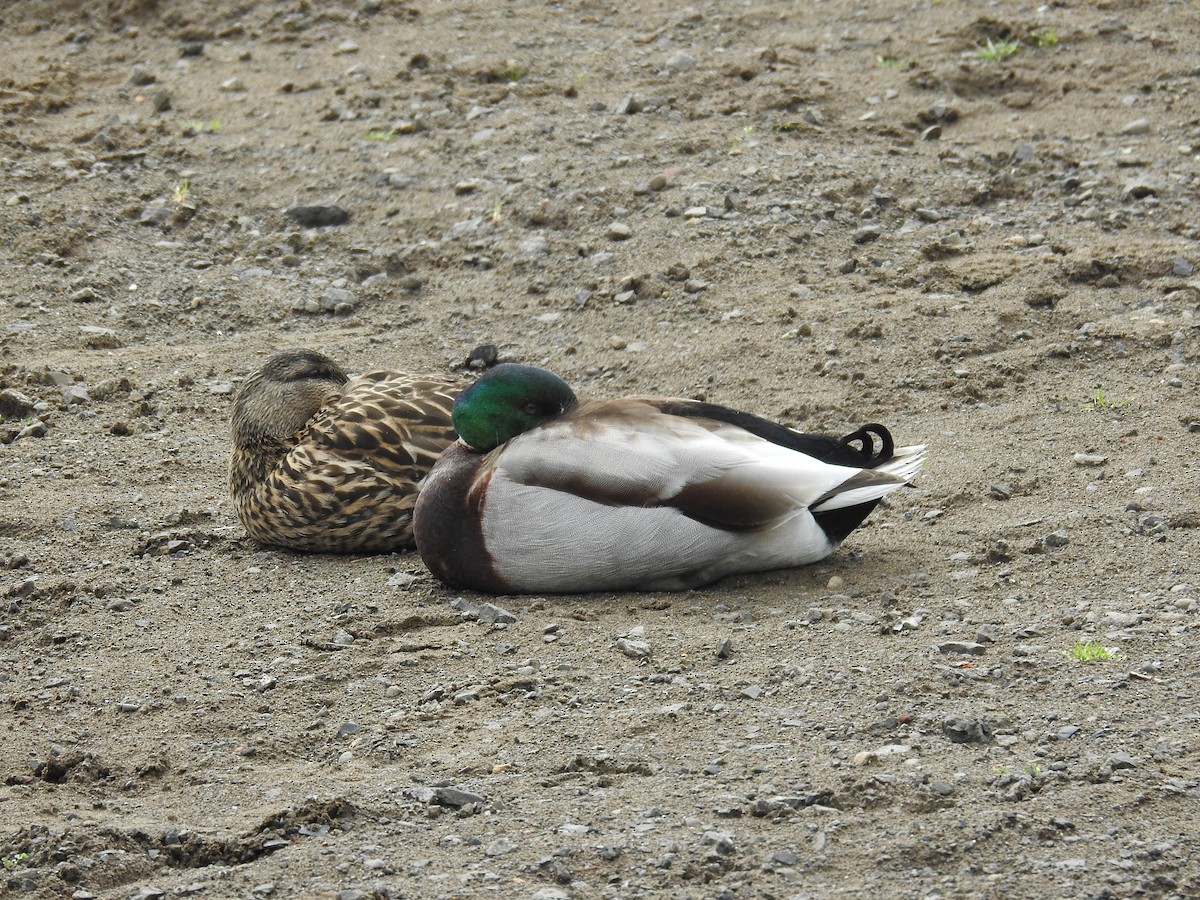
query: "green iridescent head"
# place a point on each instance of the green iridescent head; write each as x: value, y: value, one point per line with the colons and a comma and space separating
x: 506, y: 401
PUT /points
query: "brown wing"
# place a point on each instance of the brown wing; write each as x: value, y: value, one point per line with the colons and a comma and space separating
x: 396, y: 423
x: 350, y: 482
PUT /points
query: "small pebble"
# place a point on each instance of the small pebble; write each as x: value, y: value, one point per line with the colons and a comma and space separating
x: 318, y: 215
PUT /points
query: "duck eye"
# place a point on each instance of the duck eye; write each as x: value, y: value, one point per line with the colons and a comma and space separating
x: 531, y: 408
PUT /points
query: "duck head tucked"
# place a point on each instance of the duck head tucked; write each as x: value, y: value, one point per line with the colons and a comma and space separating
x: 508, y: 400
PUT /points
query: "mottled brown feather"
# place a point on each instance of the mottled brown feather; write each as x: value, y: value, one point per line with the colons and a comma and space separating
x: 329, y: 464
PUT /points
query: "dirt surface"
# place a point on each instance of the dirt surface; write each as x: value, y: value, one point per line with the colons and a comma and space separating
x: 828, y: 213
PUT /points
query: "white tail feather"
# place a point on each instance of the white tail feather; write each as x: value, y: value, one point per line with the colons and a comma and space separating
x: 905, y: 463
x: 898, y: 471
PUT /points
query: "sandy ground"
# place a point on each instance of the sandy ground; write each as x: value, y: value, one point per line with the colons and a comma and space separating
x: 827, y: 213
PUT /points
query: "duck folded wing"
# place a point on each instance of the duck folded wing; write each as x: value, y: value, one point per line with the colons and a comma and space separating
x: 387, y: 422
x: 711, y: 471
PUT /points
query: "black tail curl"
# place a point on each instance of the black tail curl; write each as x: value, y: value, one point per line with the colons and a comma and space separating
x: 866, y: 437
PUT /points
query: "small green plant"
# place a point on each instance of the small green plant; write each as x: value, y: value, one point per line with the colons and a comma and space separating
x: 1002, y: 771
x: 888, y: 62
x: 742, y: 140
x: 202, y: 126
x: 1101, y: 400
x: 513, y: 72
x: 12, y: 862
x: 1033, y: 770
x: 1090, y: 652
x: 497, y: 213
x: 784, y: 127
x: 381, y: 134
x: 179, y: 193
x: 1045, y: 38
x: 994, y: 51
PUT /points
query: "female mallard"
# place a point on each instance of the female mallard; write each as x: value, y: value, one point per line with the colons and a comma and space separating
x: 547, y: 493
x: 327, y: 463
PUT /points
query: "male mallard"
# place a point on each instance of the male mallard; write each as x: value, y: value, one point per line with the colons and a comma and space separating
x: 544, y: 492
x: 331, y: 464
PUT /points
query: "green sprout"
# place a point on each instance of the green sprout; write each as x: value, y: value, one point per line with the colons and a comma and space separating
x: 1045, y: 38
x: 994, y: 51
x: 513, y: 72
x: 11, y: 862
x: 1100, y: 401
x: 497, y: 213
x: 201, y: 126
x: 179, y: 194
x: 381, y: 134
x: 784, y: 127
x: 1090, y: 652
x: 888, y: 62
x: 740, y: 141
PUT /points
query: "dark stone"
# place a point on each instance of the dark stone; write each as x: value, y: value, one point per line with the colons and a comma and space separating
x: 318, y: 215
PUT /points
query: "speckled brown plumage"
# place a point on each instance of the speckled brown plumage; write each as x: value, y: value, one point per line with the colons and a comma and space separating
x: 325, y: 463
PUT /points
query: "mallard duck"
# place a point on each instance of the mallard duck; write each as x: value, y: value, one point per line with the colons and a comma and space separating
x: 546, y: 493
x: 328, y: 463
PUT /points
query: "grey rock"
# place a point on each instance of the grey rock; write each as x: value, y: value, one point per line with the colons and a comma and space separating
x: 966, y: 648
x: 14, y: 404
x: 867, y: 233
x: 724, y: 648
x: 987, y: 634
x: 156, y: 215
x: 633, y: 648
x: 142, y: 75
x: 680, y: 61
x: 456, y: 797
x: 629, y: 105
x: 1057, y: 539
x: 1067, y: 732
x: 484, y: 613
x: 1140, y: 188
x: 33, y: 429
x: 967, y: 731
x: 535, y: 246
x: 338, y: 300
x: 318, y: 215
x: 501, y: 846
x: 1122, y: 761
x: 721, y: 841
x: 76, y: 394
x: 1137, y: 126
x: 1181, y: 267
x: 403, y: 580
